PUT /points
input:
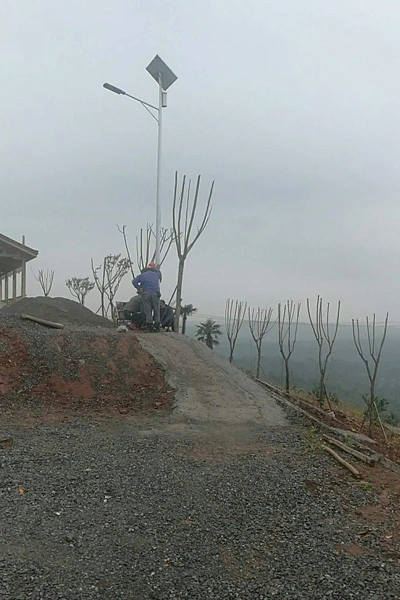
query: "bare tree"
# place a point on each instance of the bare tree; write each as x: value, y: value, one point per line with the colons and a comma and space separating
x: 183, y: 215
x: 145, y: 252
x: 145, y: 247
x: 79, y: 287
x: 235, y: 312
x: 375, y: 351
x: 325, y: 341
x: 259, y: 324
x: 288, y: 321
x: 45, y: 279
x: 108, y: 277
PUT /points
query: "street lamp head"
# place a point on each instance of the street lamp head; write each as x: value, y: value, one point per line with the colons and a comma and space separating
x: 114, y: 89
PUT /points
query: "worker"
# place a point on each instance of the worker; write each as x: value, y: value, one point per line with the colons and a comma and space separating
x: 167, y: 316
x: 134, y: 305
x: 133, y: 311
x: 148, y: 282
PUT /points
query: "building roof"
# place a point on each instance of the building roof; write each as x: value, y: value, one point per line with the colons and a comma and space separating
x: 13, y: 254
x: 6, y: 241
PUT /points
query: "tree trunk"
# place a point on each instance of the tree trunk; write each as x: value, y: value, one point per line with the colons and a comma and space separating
x: 321, y: 389
x: 179, y: 294
x: 184, y: 318
x: 287, y: 387
x: 372, y: 391
x: 371, y: 404
x: 258, y: 362
x: 231, y: 355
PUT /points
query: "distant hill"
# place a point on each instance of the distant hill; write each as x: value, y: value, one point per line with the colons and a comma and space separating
x: 347, y: 377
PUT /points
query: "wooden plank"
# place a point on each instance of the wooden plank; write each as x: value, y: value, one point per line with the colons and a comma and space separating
x: 367, y: 459
x: 42, y: 321
x: 343, y: 462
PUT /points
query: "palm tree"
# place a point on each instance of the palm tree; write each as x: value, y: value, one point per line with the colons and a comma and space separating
x: 208, y: 333
x: 186, y: 311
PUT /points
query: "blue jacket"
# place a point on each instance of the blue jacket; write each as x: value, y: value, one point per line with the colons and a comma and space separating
x: 148, y: 281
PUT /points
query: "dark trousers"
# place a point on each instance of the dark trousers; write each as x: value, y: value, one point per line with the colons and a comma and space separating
x: 151, y: 307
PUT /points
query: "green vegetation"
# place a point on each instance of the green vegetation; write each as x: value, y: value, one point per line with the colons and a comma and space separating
x: 186, y: 311
x: 366, y: 486
x: 209, y: 333
x: 312, y: 438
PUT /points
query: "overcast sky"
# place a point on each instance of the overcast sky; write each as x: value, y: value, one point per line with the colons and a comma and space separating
x: 292, y: 106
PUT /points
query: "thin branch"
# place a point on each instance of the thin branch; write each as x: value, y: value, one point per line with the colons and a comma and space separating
x: 122, y: 230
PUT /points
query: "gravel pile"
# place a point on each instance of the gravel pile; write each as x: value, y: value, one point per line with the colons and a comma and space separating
x: 125, y: 511
x: 59, y: 310
x: 86, y: 367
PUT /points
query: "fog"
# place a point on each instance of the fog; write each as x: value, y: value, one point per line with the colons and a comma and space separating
x: 292, y: 107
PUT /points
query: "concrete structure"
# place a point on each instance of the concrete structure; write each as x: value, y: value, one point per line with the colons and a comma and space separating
x: 13, y: 258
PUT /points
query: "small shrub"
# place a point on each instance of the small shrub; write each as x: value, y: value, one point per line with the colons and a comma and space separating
x: 312, y: 439
x: 392, y: 419
x: 373, y: 407
x: 366, y: 486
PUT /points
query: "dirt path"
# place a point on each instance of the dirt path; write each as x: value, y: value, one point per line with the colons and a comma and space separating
x: 208, y: 388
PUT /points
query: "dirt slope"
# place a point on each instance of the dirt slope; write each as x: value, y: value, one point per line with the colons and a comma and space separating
x: 92, y: 368
x: 208, y: 388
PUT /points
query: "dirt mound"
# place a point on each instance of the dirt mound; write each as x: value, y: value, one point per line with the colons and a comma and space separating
x: 60, y: 310
x: 78, y: 369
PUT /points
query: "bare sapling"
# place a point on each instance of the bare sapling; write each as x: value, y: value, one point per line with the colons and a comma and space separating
x: 375, y: 351
x: 288, y: 321
x: 325, y: 334
x: 108, y: 277
x: 183, y: 216
x: 79, y: 287
x: 45, y: 279
x: 145, y: 246
x: 235, y: 313
x: 259, y: 324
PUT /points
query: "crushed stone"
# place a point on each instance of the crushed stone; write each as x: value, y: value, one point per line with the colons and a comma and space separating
x: 121, y: 511
x: 59, y: 310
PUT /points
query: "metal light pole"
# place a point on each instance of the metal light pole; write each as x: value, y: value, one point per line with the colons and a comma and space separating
x: 159, y: 147
x: 164, y: 78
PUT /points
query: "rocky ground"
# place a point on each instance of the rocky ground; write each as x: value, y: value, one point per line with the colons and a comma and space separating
x: 120, y: 509
x: 212, y: 492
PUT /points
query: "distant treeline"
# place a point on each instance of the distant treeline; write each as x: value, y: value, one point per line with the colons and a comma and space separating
x: 346, y: 378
